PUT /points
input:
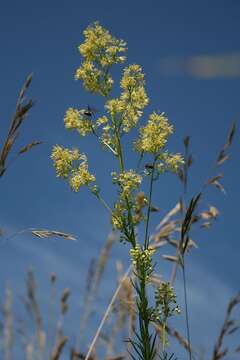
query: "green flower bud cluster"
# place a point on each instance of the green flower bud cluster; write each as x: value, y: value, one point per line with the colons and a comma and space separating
x: 166, y: 303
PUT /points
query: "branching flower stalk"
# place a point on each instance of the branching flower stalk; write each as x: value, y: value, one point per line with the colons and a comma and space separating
x: 100, y: 51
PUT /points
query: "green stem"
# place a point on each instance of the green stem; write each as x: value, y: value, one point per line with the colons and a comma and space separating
x: 186, y: 309
x: 121, y: 165
x: 146, y: 240
x: 144, y: 318
x: 164, y: 336
x: 143, y: 310
x: 103, y: 202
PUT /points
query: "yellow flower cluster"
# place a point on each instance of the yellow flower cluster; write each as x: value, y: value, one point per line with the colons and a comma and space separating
x: 101, y: 46
x: 134, y: 96
x: 142, y: 257
x: 128, y: 182
x: 114, y: 107
x: 166, y: 301
x: 153, y: 137
x: 94, y: 79
x: 63, y: 160
x: 128, y: 107
x: 72, y: 165
x: 118, y: 215
x: 170, y: 162
x: 81, y: 177
x: 76, y: 119
x: 100, y: 51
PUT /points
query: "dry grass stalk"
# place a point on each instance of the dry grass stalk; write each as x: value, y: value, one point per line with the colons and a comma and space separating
x: 93, y: 281
x: 34, y: 309
x: 49, y: 233
x: 123, y: 310
x: 20, y: 114
x: 174, y: 333
x: 76, y: 355
x: 106, y: 314
x: 8, y: 326
x: 63, y: 308
x: 29, y: 146
x: 52, y: 300
x: 42, y: 234
x: 29, y: 350
x: 58, y: 348
x: 212, y: 180
x: 229, y: 326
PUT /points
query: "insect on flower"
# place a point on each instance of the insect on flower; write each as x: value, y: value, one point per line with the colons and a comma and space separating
x: 149, y: 166
x: 89, y: 111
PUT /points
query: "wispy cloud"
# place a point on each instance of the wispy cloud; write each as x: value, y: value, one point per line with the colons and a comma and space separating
x: 202, y: 66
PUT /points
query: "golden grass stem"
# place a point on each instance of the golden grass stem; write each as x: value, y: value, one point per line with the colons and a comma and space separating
x: 107, y: 312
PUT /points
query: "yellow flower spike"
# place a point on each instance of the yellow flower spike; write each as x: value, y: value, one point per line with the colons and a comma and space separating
x: 153, y: 137
x: 133, y: 96
x: 117, y: 215
x: 100, y: 51
x: 100, y: 45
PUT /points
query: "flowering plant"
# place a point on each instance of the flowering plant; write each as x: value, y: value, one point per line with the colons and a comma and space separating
x: 100, y: 51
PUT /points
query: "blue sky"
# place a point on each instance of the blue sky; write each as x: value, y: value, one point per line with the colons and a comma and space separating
x: 172, y: 41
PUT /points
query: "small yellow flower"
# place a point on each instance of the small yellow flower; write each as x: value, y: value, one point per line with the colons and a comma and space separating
x: 142, y: 257
x: 118, y: 215
x: 76, y: 119
x: 102, y: 121
x: 101, y: 46
x: 169, y: 162
x: 100, y: 51
x: 153, y: 137
x: 174, y: 161
x: 128, y: 182
x: 133, y: 96
x: 63, y: 160
x: 81, y: 177
x: 72, y: 165
x: 91, y: 77
x: 114, y: 106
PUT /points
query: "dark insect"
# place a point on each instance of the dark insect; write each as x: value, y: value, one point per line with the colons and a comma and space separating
x: 89, y: 111
x: 149, y: 166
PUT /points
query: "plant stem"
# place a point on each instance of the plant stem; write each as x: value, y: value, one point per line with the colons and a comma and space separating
x: 121, y: 165
x: 164, y: 336
x: 186, y: 309
x: 146, y: 240
x: 103, y: 202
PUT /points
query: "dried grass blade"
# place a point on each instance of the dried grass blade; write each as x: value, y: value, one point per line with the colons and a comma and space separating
x: 20, y: 113
x: 170, y: 214
x: 49, y: 233
x: 225, y: 329
x: 29, y: 146
x: 58, y: 348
